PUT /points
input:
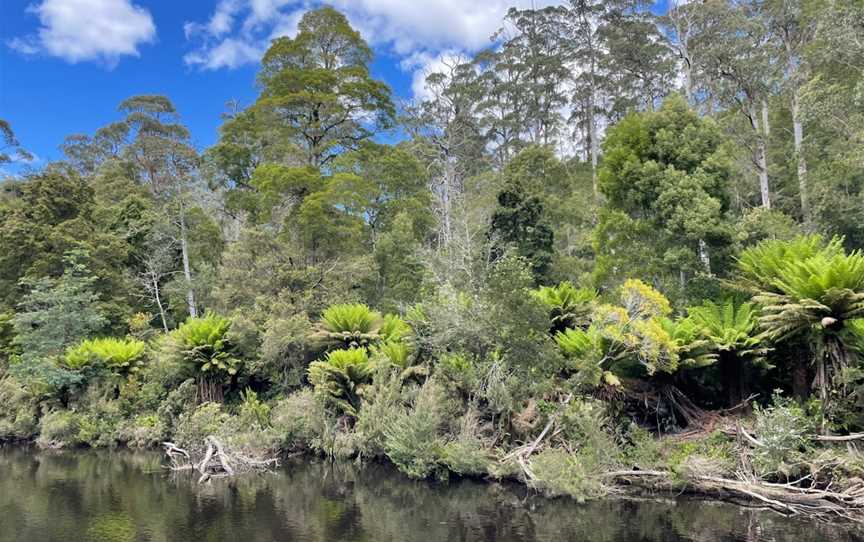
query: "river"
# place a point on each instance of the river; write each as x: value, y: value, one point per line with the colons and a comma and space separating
x: 124, y: 496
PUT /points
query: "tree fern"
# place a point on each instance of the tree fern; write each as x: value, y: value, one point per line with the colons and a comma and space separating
x: 349, y: 325
x: 121, y: 356
x: 340, y: 376
x: 807, y: 287
x: 569, y: 306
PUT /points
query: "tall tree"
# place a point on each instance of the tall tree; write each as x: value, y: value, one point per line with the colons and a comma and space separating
x: 161, y: 150
x: 735, y: 52
x: 792, y: 25
x: 317, y: 85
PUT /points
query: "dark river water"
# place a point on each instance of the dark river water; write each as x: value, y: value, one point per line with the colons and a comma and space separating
x: 101, y: 496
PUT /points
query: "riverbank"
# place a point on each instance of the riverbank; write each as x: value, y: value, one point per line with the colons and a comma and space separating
x: 764, y: 460
x: 123, y: 496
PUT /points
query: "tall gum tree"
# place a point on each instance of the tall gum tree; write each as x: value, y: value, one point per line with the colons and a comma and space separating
x: 318, y: 86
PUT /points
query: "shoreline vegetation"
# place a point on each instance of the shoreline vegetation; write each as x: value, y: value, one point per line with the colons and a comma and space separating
x: 676, y: 308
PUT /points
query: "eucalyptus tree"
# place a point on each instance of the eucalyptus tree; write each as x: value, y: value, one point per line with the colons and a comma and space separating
x: 317, y: 86
x: 527, y: 77
x: 678, y: 23
x: 10, y: 147
x: 164, y: 158
x: 638, y: 63
x: 792, y: 25
x: 735, y: 52
x: 587, y: 53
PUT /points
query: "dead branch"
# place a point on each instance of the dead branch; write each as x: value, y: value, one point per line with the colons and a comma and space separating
x: 217, y: 461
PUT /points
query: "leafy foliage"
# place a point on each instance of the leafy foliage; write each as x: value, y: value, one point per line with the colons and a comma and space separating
x: 569, y: 306
x: 122, y: 356
x: 340, y: 376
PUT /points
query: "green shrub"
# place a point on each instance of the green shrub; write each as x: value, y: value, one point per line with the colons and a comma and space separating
x: 783, y: 428
x: 252, y: 412
x: 19, y: 415
x: 58, y: 429
x: 143, y: 431
x: 412, y: 440
x: 299, y: 420
x: 178, y: 401
x: 382, y: 403
x: 559, y: 472
x: 193, y: 427
x: 466, y: 454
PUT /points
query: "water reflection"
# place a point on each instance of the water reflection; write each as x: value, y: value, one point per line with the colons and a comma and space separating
x: 122, y: 497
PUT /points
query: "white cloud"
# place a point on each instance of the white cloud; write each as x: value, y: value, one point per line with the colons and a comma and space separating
x: 405, y: 27
x: 79, y: 30
x: 423, y: 64
x: 228, y: 53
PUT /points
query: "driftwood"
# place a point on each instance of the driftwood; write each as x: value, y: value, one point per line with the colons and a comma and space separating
x: 523, y: 453
x: 216, y: 462
x: 787, y: 499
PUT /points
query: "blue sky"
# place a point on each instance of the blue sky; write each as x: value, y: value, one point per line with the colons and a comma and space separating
x: 66, y: 64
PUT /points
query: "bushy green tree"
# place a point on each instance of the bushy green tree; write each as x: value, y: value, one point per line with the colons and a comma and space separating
x: 664, y: 176
x: 318, y: 87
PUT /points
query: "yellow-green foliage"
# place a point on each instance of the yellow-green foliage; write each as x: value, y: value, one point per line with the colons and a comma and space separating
x: 634, y: 331
x: 121, y: 356
x: 643, y: 301
x: 397, y: 353
x: 394, y: 329
x: 203, y: 342
x: 339, y: 377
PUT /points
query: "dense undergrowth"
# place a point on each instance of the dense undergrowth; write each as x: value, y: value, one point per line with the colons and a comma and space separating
x: 555, y: 386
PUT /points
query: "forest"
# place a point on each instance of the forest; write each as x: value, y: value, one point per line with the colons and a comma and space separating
x: 614, y: 250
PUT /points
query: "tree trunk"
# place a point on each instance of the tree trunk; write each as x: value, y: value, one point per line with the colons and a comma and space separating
x: 593, y: 147
x: 798, y: 136
x: 761, y: 157
x: 734, y: 378
x: 705, y: 256
x: 800, y: 380
x: 158, y: 299
x: 187, y: 270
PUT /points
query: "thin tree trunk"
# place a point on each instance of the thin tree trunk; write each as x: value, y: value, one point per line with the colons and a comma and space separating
x: 762, y: 160
x: 761, y: 157
x: 187, y: 270
x: 593, y: 146
x: 798, y: 135
x: 158, y: 299
x: 705, y: 256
